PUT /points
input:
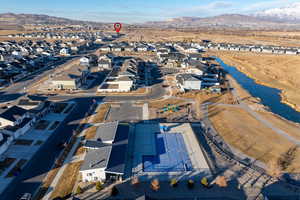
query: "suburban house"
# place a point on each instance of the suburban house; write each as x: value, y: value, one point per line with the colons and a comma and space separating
x: 84, y: 61
x: 267, y: 50
x: 188, y: 82
x: 116, y: 48
x: 291, y: 51
x: 244, y: 48
x: 5, y: 141
x: 195, y: 56
x: 278, y: 51
x: 106, y: 153
x: 15, y: 121
x: 12, y: 116
x: 64, y: 52
x: 119, y: 81
x: 28, y: 103
x: 194, y: 67
x: 126, y: 83
x: 141, y: 48
x: 129, y: 48
x: 71, y: 79
x: 105, y: 48
x: 104, y: 64
x: 256, y: 49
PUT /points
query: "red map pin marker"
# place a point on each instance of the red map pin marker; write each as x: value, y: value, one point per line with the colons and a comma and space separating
x: 117, y: 27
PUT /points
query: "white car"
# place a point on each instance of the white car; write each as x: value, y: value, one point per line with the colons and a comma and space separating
x: 26, y: 196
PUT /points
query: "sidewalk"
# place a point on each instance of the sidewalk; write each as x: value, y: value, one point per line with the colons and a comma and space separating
x: 69, y: 159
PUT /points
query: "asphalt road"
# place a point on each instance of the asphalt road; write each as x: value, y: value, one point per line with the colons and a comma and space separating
x: 16, y: 90
x: 38, y: 167
x: 156, y: 92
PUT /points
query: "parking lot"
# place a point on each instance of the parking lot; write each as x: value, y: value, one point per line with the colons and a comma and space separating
x: 126, y: 112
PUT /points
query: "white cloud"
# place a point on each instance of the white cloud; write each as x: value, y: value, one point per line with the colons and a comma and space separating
x: 212, y: 8
x: 258, y: 6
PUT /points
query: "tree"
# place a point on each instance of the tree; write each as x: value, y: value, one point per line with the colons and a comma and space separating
x: 190, y: 184
x: 99, y: 186
x: 79, y: 190
x: 114, y: 191
x: 155, y: 184
x: 286, y: 159
x: 174, y: 182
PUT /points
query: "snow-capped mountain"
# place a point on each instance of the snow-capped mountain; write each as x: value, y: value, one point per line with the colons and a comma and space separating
x: 289, y: 13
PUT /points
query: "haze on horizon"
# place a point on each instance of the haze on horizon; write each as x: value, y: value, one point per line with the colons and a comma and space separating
x: 135, y: 11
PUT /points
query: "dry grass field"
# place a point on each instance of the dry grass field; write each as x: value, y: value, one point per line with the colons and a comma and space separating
x: 67, y: 180
x: 284, y: 38
x: 241, y: 37
x: 277, y: 71
x: 251, y: 137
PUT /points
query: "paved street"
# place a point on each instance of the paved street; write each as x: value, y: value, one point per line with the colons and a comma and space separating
x: 36, y: 170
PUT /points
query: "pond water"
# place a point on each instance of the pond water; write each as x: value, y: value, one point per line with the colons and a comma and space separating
x: 269, y: 97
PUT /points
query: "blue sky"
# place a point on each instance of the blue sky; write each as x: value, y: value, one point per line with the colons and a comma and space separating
x: 135, y: 11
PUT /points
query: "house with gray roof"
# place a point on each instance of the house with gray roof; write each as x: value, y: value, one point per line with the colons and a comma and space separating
x: 12, y: 116
x: 189, y: 82
x: 106, y: 153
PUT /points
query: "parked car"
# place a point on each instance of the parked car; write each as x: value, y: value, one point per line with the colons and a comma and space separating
x: 26, y: 196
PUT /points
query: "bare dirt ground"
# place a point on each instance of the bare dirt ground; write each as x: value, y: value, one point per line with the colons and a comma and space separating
x: 277, y: 71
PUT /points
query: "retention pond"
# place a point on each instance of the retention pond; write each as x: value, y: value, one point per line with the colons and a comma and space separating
x: 269, y: 97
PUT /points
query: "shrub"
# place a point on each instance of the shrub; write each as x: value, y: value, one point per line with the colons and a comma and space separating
x: 79, y: 190
x: 114, y: 191
x: 190, y: 184
x: 174, y: 182
x: 155, y: 185
x: 221, y: 181
x: 99, y: 186
x: 274, y: 169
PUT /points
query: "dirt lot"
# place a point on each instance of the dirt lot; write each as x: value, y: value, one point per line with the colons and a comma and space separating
x: 277, y: 71
x: 251, y: 137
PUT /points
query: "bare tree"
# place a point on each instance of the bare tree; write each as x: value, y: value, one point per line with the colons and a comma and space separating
x: 286, y: 159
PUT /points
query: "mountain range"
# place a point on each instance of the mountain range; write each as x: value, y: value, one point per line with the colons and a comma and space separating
x: 287, y: 18
x: 18, y: 20
x: 289, y: 13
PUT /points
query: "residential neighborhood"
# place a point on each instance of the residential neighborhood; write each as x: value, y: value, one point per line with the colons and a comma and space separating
x: 160, y: 110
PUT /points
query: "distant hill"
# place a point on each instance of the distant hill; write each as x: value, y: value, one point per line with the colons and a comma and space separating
x: 268, y: 20
x: 225, y: 21
x: 19, y: 20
